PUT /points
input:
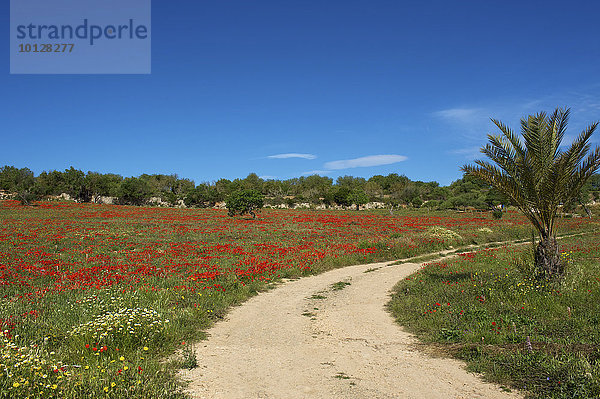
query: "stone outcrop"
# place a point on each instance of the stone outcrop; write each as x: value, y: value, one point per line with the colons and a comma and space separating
x: 306, y: 205
x: 100, y: 199
x: 4, y: 195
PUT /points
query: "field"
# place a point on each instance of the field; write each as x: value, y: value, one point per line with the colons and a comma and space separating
x: 95, y: 298
x: 485, y: 308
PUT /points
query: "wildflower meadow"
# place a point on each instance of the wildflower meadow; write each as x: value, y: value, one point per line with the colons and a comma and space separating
x: 103, y: 301
x: 486, y: 307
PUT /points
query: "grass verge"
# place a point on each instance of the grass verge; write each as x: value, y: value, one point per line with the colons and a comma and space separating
x: 484, y: 308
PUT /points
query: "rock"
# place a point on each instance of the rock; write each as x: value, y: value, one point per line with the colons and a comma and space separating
x: 100, y: 199
x: 220, y: 205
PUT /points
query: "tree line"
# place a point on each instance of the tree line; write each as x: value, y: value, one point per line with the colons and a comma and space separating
x: 392, y: 190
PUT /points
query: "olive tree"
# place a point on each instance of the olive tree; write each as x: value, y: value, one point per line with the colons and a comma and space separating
x: 243, y: 202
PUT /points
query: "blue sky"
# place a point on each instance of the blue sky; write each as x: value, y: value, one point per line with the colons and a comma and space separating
x: 288, y: 88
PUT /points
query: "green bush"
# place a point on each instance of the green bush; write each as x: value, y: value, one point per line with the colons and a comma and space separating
x: 134, y: 191
x: 244, y: 202
x: 290, y: 202
x: 341, y: 196
x: 358, y: 198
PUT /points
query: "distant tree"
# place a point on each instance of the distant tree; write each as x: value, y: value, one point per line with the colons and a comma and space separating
x: 12, y: 179
x: 224, y: 187
x: 409, y: 192
x: 351, y: 182
x: 590, y: 191
x: 74, y: 183
x: 183, y: 186
x: 20, y: 182
x: 314, y: 187
x: 236, y: 185
x: 195, y: 198
x: 204, y: 195
x: 294, y: 186
x: 50, y: 183
x: 341, y: 196
x: 358, y: 197
x: 98, y: 184
x: 252, y: 182
x: 493, y: 198
x: 135, y: 191
x: 169, y: 188
x: 244, y: 202
x: 432, y: 204
x: 392, y: 183
x: 439, y: 193
x: 416, y: 202
x: 373, y: 189
x: 290, y: 202
x: 273, y: 188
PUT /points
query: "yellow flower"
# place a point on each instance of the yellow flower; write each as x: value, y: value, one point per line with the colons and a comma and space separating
x: 54, y: 386
x: 112, y: 384
x: 145, y: 348
x: 105, y: 389
x: 121, y: 358
x: 16, y: 384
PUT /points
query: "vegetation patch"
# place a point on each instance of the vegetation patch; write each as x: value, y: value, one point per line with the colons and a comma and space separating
x: 340, y: 285
x: 190, y: 360
x: 342, y: 376
x: 443, y: 233
x: 488, y: 309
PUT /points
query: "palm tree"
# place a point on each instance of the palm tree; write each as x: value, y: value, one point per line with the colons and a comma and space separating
x: 538, y: 176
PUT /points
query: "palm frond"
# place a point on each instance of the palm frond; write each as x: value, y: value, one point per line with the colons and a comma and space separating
x: 533, y: 171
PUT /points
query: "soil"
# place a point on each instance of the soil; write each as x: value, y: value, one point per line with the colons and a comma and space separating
x: 327, y: 336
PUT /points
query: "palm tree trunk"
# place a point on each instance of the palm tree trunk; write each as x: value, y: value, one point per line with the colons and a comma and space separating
x: 547, y: 258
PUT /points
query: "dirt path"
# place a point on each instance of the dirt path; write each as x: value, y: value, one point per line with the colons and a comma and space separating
x: 305, y: 339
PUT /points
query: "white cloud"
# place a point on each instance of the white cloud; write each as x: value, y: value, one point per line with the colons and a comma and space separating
x: 459, y: 114
x: 316, y: 172
x: 371, y: 160
x: 467, y: 123
x: 292, y: 155
x: 267, y: 177
x: 470, y: 153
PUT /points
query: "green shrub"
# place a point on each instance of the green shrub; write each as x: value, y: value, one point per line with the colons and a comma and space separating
x: 244, y: 202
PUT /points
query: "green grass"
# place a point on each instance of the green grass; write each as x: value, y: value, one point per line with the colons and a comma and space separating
x: 341, y: 376
x: 340, y: 285
x: 75, y: 266
x: 484, y: 307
